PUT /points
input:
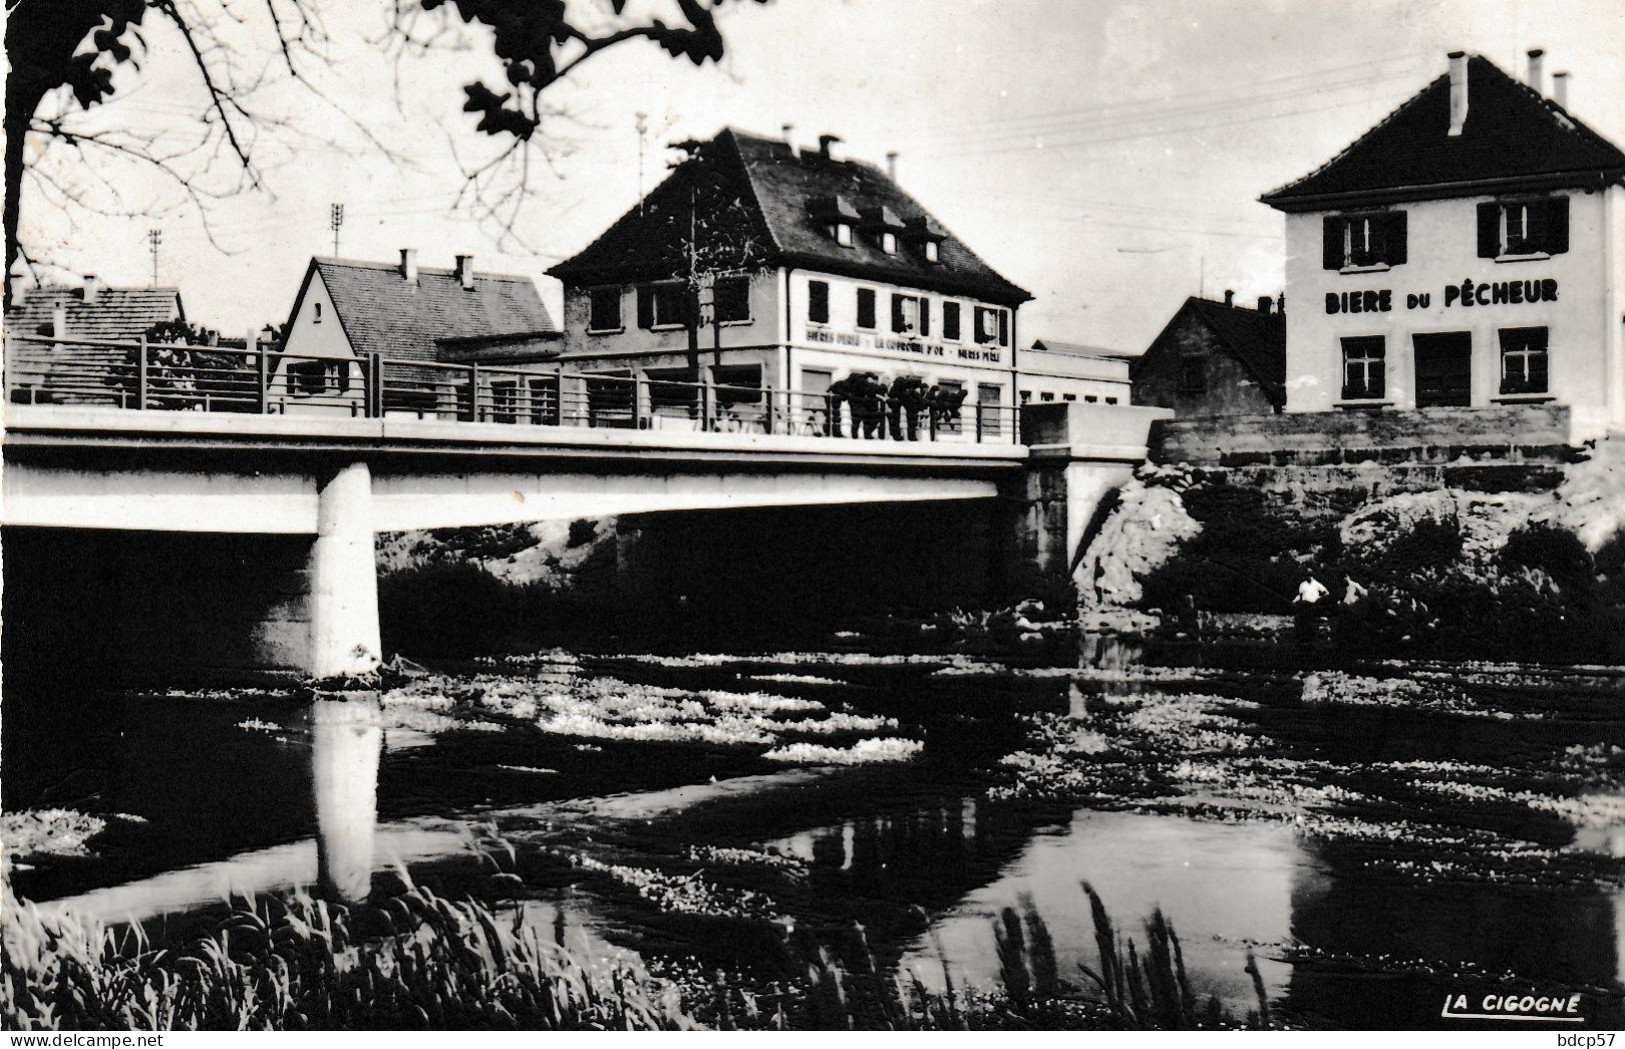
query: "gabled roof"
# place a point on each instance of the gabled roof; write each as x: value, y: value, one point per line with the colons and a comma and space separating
x: 382, y: 313
x: 1256, y: 339
x: 783, y: 194
x: 1513, y: 138
x: 118, y: 314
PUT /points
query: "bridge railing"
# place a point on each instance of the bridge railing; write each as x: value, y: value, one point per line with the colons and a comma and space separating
x: 165, y: 376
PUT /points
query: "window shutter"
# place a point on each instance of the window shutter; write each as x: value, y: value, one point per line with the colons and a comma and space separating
x: 925, y: 315
x: 1332, y: 242
x: 897, y: 313
x: 646, y: 306
x: 950, y: 320
x: 1394, y: 237
x: 866, y: 308
x: 818, y: 302
x: 1557, y: 226
x: 1004, y: 327
x: 1489, y: 230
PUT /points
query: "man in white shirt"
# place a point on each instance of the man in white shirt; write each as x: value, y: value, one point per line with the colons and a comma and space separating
x: 1307, y: 612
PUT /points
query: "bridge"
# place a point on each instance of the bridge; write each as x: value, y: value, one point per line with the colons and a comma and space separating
x: 161, y: 438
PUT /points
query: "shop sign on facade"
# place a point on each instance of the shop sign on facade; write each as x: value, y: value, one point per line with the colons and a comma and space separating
x: 1467, y: 293
x: 918, y: 347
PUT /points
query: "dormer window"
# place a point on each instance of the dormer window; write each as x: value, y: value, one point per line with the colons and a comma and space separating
x: 888, y: 243
x: 838, y: 217
x: 1358, y: 243
x: 932, y: 252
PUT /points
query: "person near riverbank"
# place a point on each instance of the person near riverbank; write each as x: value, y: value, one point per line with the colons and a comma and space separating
x: 1353, y: 592
x: 1308, y: 609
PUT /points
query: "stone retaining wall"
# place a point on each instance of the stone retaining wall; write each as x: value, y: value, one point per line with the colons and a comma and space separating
x: 1508, y: 433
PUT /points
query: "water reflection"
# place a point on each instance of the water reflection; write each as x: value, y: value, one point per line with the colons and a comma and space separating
x: 346, y: 740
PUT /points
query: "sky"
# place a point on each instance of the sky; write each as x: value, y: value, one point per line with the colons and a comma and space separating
x: 1107, y: 155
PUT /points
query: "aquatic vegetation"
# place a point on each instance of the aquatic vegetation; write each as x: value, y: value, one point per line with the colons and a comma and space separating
x: 721, y: 855
x: 47, y: 832
x: 685, y: 893
x: 863, y: 752
x: 295, y: 963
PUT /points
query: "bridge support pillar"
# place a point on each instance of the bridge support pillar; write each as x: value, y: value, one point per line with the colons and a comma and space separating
x: 344, y: 641
x: 1080, y: 455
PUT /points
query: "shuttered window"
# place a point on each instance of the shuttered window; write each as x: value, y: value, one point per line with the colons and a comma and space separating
x: 950, y: 321
x: 1364, y: 241
x: 866, y: 307
x: 817, y: 302
x: 605, y: 309
x: 1519, y: 228
x: 732, y: 297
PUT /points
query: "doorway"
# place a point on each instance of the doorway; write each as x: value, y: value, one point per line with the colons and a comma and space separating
x: 1444, y: 369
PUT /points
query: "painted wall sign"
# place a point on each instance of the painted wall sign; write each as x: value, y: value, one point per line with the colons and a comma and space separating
x: 976, y: 354
x: 1488, y: 294
x: 1467, y: 293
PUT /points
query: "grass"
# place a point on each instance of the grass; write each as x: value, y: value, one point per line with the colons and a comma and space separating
x: 296, y: 963
x: 421, y: 961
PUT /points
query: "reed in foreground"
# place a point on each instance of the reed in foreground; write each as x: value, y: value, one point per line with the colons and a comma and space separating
x: 295, y: 963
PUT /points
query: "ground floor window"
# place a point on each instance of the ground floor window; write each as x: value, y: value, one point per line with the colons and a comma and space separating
x: 674, y: 392
x: 1523, y: 360
x: 315, y: 378
x: 989, y: 400
x: 505, y: 401
x: 544, y: 400
x: 1364, y: 367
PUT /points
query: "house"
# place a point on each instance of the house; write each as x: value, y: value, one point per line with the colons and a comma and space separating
x: 1468, y: 250
x: 93, y: 311
x: 1053, y: 370
x: 1216, y: 358
x: 346, y: 311
x: 760, y: 264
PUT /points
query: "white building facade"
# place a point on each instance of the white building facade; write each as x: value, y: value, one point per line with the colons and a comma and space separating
x: 1467, y: 252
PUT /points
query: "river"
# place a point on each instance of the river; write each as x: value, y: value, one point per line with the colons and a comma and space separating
x: 1381, y: 837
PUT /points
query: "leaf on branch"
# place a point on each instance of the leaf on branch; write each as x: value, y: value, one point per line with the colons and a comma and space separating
x: 496, y: 116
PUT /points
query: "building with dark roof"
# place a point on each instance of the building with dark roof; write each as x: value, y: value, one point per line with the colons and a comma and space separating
x: 93, y: 311
x: 756, y: 263
x: 1216, y: 358
x: 1468, y: 250
x: 346, y: 310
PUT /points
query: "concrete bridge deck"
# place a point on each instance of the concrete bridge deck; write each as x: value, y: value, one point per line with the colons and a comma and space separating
x: 343, y: 479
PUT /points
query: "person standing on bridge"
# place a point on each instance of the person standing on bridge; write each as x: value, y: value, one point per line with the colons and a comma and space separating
x: 845, y: 391
x: 869, y: 407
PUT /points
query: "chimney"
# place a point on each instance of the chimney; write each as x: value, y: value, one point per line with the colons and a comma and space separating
x: 1264, y: 303
x: 409, y: 265
x: 790, y: 139
x: 1229, y: 297
x: 465, y: 271
x: 59, y: 321
x: 1560, y: 89
x: 1535, y: 81
x: 1458, y: 92
x: 829, y: 147
x: 93, y: 288
x: 891, y: 165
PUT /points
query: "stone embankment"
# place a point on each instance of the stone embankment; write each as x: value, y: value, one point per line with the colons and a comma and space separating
x: 1232, y: 513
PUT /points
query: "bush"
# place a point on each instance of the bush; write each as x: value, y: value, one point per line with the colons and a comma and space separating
x: 582, y: 532
x: 1557, y: 553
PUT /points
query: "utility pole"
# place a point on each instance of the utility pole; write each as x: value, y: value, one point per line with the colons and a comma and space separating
x: 335, y: 219
x: 155, y: 237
